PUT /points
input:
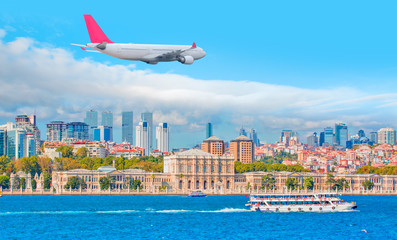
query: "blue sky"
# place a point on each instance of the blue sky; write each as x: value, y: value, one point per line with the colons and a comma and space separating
x: 324, y: 61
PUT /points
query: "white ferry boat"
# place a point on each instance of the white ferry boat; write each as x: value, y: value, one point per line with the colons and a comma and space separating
x: 316, y: 202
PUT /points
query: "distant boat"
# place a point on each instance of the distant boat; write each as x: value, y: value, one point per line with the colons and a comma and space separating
x: 197, y: 194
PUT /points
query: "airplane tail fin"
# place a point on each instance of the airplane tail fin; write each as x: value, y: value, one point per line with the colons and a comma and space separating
x: 95, y: 32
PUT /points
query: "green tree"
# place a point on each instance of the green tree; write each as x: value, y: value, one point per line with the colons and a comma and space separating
x: 4, y: 181
x: 104, y: 183
x: 66, y: 151
x: 82, y: 152
x: 137, y: 184
x: 268, y: 182
x: 83, y: 184
x: 73, y: 183
x: 292, y: 183
x: 28, y: 165
x: 163, y: 187
x: 330, y: 181
x: 23, y: 183
x: 368, y: 185
x: 4, y: 161
x: 341, y: 184
x: 34, y: 184
x: 47, y: 180
x: 308, y: 183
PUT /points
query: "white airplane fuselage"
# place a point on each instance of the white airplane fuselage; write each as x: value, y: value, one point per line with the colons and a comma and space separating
x: 149, y: 53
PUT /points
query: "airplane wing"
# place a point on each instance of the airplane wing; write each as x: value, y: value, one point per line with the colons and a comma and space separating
x: 175, y: 54
x: 83, y: 47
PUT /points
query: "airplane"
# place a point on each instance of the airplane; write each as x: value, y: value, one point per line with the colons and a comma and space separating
x: 148, y: 53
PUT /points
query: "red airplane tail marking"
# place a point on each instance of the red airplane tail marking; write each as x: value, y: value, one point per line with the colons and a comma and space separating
x: 95, y: 32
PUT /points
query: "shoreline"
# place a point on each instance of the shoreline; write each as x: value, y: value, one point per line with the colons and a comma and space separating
x: 159, y: 194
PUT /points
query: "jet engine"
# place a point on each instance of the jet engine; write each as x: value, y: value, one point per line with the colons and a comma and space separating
x: 186, y: 59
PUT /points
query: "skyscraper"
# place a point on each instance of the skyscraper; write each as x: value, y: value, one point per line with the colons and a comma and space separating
x: 341, y: 134
x: 286, y: 135
x: 243, y: 132
x: 16, y: 142
x: 92, y: 121
x: 77, y: 131
x: 312, y: 140
x: 3, y: 138
x: 107, y: 121
x: 56, y: 131
x: 387, y: 135
x: 127, y: 128
x: 373, y: 137
x: 322, y: 138
x: 361, y: 133
x: 254, y: 137
x: 163, y: 137
x: 148, y: 118
x: 103, y: 134
x: 329, y: 136
x: 28, y: 123
x: 142, y: 137
x: 208, y: 130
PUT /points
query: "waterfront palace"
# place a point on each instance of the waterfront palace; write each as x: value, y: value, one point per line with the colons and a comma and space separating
x: 198, y: 170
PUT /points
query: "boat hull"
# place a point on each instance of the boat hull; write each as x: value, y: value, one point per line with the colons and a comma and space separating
x: 305, y: 208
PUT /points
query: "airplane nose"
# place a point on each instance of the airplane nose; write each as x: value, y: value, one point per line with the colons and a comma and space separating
x: 203, y: 54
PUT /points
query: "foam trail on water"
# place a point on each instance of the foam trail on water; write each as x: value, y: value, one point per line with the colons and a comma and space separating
x: 42, y: 212
x: 227, y: 210
x: 173, y: 211
x: 117, y: 211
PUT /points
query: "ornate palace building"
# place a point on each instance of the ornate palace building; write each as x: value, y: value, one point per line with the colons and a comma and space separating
x: 197, y: 170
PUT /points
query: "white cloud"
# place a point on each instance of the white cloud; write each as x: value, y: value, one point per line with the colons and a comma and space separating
x: 50, y: 81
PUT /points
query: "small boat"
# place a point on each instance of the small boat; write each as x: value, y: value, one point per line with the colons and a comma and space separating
x: 197, y: 194
x: 316, y: 202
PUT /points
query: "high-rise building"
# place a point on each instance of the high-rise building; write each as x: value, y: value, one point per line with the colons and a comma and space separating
x: 214, y: 146
x: 107, y: 121
x: 163, y: 137
x: 92, y: 120
x: 361, y: 133
x: 329, y: 136
x: 286, y: 135
x: 312, y: 140
x: 242, y: 148
x: 254, y: 137
x: 148, y: 118
x: 16, y: 142
x: 77, y: 131
x: 341, y: 134
x: 3, y: 139
x: 322, y: 138
x: 103, y: 134
x: 373, y: 137
x: 243, y: 132
x: 28, y: 123
x: 208, y: 130
x: 387, y: 135
x: 127, y: 128
x: 56, y: 131
x: 142, y: 137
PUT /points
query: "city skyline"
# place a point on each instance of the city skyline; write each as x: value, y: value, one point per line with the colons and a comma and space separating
x: 293, y: 69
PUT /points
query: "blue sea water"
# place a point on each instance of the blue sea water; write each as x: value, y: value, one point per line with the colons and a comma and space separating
x: 180, y: 217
